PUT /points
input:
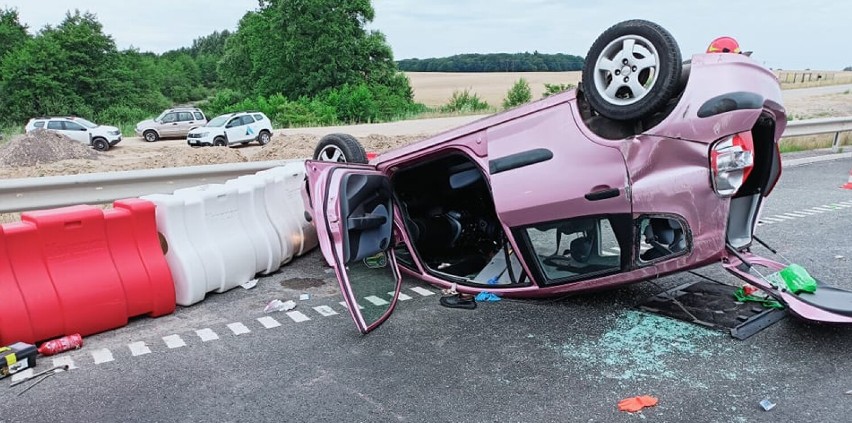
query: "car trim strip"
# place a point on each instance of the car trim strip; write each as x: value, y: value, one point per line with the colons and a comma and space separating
x: 740, y: 100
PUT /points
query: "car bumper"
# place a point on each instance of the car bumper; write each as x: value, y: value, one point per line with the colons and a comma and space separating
x: 199, y: 142
x: 115, y: 141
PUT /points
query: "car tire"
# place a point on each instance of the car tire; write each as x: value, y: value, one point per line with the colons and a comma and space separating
x: 100, y: 144
x: 150, y: 136
x: 631, y: 70
x: 343, y: 148
x: 264, y: 137
x: 220, y: 142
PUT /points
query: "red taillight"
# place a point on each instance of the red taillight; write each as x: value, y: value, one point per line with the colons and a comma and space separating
x: 731, y: 161
x: 745, y: 141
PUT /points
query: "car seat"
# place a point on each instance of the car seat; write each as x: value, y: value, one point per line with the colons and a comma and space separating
x: 666, y: 238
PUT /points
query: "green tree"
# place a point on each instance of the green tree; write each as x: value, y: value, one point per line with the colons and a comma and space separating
x: 307, y: 47
x: 520, y: 93
x: 12, y: 33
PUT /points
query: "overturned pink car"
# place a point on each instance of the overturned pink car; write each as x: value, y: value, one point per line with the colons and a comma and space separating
x: 650, y: 167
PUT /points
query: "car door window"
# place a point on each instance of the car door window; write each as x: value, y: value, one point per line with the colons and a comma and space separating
x: 577, y: 249
x: 258, y: 117
x: 39, y: 124
x: 247, y: 120
x: 233, y: 123
x: 73, y: 126
x: 170, y: 118
x: 199, y: 116
x: 184, y: 116
x: 54, y: 124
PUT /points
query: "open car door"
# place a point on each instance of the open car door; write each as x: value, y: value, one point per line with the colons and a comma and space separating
x: 353, y: 212
x: 824, y: 304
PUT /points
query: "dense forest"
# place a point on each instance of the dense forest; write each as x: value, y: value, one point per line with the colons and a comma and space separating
x: 495, y: 62
x: 299, y: 61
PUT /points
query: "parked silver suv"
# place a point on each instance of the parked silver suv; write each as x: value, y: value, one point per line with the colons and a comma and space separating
x: 100, y: 137
x: 172, y: 123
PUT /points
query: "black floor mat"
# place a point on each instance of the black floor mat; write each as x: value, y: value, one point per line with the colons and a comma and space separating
x: 712, y: 305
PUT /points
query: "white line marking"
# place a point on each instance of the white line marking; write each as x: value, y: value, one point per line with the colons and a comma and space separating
x: 268, y: 322
x: 325, y: 311
x: 207, y: 334
x: 174, y: 341
x: 138, y: 348
x: 795, y: 215
x: 805, y: 212
x: 778, y: 216
x: 771, y: 219
x: 343, y: 303
x: 298, y: 317
x: 823, y: 208
x: 815, y: 210
x: 422, y: 291
x: 102, y: 355
x: 23, y: 374
x: 238, y: 328
x: 402, y: 296
x: 376, y: 300
x: 63, y: 361
x: 845, y: 206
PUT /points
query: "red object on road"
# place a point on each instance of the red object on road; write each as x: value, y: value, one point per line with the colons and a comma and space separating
x: 634, y: 404
x: 81, y: 269
x: 848, y: 185
x: 56, y: 346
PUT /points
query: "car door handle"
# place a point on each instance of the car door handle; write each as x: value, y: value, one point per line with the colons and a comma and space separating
x: 603, y: 194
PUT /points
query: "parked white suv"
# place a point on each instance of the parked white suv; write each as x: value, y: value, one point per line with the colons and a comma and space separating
x: 234, y: 128
x: 100, y: 137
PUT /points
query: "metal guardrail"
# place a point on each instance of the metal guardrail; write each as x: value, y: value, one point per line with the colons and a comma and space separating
x: 799, y: 128
x: 99, y: 188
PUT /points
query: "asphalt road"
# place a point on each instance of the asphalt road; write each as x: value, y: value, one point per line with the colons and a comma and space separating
x: 569, y: 359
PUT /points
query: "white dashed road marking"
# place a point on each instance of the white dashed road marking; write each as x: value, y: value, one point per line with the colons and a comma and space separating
x: 325, y: 311
x: 376, y: 300
x: 207, y: 334
x: 343, y: 303
x: 138, y: 348
x: 102, y: 355
x: 782, y: 217
x: 422, y: 291
x: 402, y: 296
x: 64, y: 361
x: 298, y: 317
x: 795, y: 215
x: 174, y: 341
x: 238, y: 328
x: 23, y: 374
x: 268, y: 322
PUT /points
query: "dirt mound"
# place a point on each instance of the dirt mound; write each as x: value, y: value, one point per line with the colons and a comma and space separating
x: 41, y: 147
x: 301, y: 146
x: 197, y: 157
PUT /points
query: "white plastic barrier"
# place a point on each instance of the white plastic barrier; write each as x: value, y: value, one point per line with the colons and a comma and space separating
x: 219, y: 236
x: 205, y: 225
x: 286, y: 209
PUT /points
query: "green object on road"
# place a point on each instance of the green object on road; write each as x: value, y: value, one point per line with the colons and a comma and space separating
x: 795, y: 278
x: 765, y: 301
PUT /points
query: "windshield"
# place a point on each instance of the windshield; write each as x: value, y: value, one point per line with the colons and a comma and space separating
x: 85, y: 123
x: 159, y: 118
x: 218, y: 121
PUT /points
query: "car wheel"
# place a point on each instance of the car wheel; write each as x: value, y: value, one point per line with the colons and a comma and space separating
x: 342, y: 148
x: 631, y: 70
x: 100, y: 144
x: 151, y: 136
x: 264, y: 137
x: 220, y: 142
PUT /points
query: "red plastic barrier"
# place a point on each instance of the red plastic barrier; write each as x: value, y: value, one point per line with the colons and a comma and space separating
x: 82, y: 270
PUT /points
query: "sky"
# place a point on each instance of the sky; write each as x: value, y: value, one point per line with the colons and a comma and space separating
x: 784, y: 34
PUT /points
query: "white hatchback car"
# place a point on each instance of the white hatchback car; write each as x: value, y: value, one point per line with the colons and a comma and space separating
x: 234, y: 128
x: 100, y: 137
